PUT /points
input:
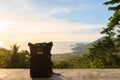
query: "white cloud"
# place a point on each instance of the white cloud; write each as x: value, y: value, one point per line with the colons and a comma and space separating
x: 22, y: 26
x: 49, y: 25
x: 50, y: 30
x: 56, y: 11
x: 65, y: 0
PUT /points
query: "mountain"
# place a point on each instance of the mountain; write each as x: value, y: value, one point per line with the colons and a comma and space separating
x: 81, y: 48
x: 77, y: 50
x: 4, y: 50
x: 100, y: 39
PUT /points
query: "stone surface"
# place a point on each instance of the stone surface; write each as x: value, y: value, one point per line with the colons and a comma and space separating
x: 66, y: 74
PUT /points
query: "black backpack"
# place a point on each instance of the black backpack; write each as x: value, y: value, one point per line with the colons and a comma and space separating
x: 40, y: 60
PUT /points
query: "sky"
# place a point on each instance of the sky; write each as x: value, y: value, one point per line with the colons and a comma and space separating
x: 23, y: 21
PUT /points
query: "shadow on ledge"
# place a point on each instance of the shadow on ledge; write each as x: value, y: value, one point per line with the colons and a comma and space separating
x: 53, y: 77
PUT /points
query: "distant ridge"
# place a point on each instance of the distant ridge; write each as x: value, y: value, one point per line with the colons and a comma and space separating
x: 81, y: 48
x: 3, y: 49
x: 77, y: 50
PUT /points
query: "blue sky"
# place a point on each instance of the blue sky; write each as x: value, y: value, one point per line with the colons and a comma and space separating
x: 23, y: 21
x: 80, y: 11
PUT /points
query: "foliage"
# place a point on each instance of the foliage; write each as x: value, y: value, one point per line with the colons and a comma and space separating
x: 62, y: 64
x: 113, y: 26
x: 4, y: 59
x: 14, y: 59
x: 102, y: 54
x: 106, y: 53
x: 90, y: 61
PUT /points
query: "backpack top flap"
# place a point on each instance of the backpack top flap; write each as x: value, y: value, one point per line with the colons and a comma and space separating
x: 40, y: 48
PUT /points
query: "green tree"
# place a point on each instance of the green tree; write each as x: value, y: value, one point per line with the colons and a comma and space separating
x: 14, y: 58
x: 18, y: 59
x: 14, y: 49
x: 24, y: 59
x: 4, y: 59
x: 105, y: 53
x: 113, y: 27
x: 62, y: 64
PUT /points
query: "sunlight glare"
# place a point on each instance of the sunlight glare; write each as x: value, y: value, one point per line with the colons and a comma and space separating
x: 1, y: 44
x: 3, y: 26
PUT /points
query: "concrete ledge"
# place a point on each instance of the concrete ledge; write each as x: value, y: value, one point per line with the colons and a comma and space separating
x: 66, y: 74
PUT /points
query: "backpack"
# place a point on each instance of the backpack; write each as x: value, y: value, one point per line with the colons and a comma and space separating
x: 40, y: 60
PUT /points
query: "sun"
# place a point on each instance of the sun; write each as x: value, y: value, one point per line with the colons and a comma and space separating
x: 4, y: 26
x: 1, y: 44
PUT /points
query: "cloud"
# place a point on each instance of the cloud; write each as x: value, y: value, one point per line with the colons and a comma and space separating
x: 26, y: 24
x: 58, y: 11
x: 65, y: 0
x: 50, y: 30
x: 49, y: 25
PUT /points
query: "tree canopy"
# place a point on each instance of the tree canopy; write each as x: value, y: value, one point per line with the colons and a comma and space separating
x: 113, y: 27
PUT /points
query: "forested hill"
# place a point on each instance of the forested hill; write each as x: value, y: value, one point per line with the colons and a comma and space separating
x: 85, y: 56
x: 81, y: 48
x: 78, y: 49
x: 78, y: 58
x: 14, y: 59
x: 4, y: 50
